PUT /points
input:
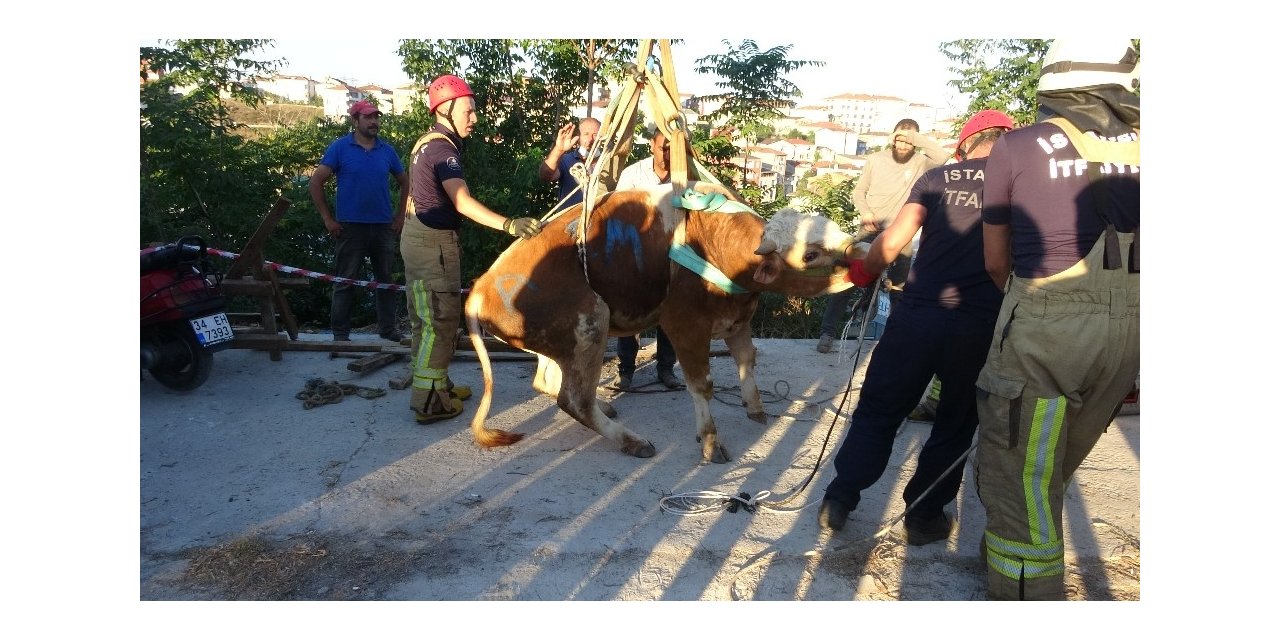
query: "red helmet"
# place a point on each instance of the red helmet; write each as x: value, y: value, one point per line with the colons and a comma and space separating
x: 446, y: 88
x: 985, y: 119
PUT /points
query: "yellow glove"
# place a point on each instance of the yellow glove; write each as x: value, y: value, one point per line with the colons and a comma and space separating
x: 523, y: 228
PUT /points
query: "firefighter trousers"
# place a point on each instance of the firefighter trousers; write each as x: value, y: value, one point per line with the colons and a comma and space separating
x: 1063, y: 356
x: 433, y: 273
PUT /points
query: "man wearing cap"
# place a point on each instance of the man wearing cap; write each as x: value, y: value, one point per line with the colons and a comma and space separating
x: 1060, y: 229
x: 941, y: 326
x: 365, y: 225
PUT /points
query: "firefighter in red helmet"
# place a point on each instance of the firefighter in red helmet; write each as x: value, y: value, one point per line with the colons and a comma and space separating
x: 439, y: 200
x: 942, y: 327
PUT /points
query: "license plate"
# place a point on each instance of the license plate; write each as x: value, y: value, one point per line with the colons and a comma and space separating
x: 214, y: 329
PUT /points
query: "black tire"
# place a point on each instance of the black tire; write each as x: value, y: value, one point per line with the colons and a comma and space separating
x: 189, y: 371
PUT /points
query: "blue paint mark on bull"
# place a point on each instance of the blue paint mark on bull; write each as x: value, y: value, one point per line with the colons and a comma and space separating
x: 618, y: 236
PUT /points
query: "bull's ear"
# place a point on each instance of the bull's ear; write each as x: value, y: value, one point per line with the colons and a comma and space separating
x: 770, y: 268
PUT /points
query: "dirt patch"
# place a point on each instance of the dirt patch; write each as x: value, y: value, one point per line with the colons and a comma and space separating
x: 300, y: 568
x: 266, y: 118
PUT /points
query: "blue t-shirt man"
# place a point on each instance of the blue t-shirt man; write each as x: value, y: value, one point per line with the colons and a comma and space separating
x: 363, y: 194
x: 362, y: 222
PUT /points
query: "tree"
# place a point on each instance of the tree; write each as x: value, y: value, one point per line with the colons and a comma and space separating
x: 755, y: 87
x: 607, y: 57
x: 755, y: 91
x: 999, y: 74
x: 196, y: 176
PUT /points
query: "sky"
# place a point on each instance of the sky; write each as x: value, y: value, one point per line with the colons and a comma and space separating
x: 918, y: 73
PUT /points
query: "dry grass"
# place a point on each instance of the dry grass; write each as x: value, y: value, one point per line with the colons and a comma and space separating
x: 269, y: 117
x: 307, y: 568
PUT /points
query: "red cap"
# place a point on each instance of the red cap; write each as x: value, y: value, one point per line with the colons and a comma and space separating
x: 363, y: 107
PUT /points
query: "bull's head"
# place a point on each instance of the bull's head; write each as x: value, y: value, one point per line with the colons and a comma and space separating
x: 810, y: 245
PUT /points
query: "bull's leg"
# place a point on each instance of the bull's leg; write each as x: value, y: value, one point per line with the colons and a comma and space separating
x: 549, y: 379
x: 580, y: 371
x: 744, y: 354
x: 693, y: 349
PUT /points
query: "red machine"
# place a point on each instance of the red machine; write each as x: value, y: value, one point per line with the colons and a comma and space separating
x: 184, y: 318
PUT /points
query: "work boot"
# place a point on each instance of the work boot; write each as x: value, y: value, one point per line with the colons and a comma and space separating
x: 624, y: 381
x: 435, y: 405
x: 924, y: 412
x: 833, y: 514
x: 393, y: 335
x: 669, y: 379
x: 824, y: 343
x: 459, y: 391
x: 925, y: 529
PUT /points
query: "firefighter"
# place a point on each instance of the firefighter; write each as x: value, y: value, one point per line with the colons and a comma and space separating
x: 429, y: 244
x: 1060, y: 234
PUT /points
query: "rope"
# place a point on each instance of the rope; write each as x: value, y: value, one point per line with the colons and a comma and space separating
x: 319, y: 391
x: 682, y: 502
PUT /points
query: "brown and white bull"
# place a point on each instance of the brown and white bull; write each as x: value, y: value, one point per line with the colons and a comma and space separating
x: 538, y: 296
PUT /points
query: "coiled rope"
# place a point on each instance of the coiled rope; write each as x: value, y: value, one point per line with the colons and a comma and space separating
x: 319, y: 391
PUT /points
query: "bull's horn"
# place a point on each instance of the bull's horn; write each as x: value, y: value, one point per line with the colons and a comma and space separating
x: 767, y: 247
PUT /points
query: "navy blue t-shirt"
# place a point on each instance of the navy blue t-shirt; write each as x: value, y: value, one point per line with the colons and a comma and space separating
x: 949, y: 270
x: 567, y: 181
x: 436, y: 162
x: 1038, y: 184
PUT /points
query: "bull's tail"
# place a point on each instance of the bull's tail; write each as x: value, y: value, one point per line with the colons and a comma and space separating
x: 484, y: 436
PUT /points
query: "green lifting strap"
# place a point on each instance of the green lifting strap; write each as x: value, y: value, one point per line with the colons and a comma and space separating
x: 698, y: 201
x: 685, y: 256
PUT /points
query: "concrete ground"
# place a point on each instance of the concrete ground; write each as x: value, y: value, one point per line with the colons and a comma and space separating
x: 246, y: 495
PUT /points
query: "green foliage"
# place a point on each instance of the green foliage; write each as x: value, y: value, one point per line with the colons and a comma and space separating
x: 804, y: 135
x: 755, y: 88
x: 997, y: 74
x: 198, y: 174
x: 829, y: 195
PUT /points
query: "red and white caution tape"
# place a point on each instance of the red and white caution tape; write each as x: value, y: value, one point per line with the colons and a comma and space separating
x: 311, y: 274
x: 302, y: 272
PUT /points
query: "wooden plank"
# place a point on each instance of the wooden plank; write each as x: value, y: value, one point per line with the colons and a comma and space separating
x: 491, y: 344
x: 371, y: 362
x: 293, y: 282
x: 328, y: 345
x: 247, y: 287
x: 250, y: 260
x: 282, y: 307
x: 259, y: 341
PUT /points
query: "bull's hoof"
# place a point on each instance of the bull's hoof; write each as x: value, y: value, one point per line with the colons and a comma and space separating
x: 713, y: 451
x: 718, y: 455
x: 639, y: 449
x: 607, y: 409
x: 758, y: 417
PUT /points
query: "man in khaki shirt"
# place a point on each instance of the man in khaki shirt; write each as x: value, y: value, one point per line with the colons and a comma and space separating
x: 881, y: 191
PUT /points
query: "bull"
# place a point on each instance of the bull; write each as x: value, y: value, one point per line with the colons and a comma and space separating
x: 562, y: 299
